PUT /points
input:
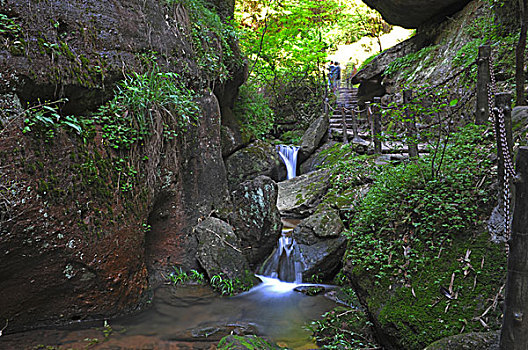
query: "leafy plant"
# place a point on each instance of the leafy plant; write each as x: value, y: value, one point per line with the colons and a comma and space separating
x: 45, y: 119
x: 178, y: 276
x: 253, y: 110
x: 227, y: 286
x: 128, y: 118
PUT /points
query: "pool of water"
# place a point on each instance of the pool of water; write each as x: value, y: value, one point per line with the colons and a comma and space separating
x: 193, y: 317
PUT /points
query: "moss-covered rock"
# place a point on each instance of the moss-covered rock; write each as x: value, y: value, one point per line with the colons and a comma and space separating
x: 258, y: 158
x: 468, y: 341
x: 256, y: 217
x: 248, y: 342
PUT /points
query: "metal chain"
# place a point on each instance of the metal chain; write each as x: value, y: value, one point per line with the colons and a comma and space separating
x: 502, y: 140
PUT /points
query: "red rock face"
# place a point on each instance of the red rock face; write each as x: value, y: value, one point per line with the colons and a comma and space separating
x: 72, y: 244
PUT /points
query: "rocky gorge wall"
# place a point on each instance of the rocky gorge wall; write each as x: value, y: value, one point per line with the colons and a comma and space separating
x: 87, y: 225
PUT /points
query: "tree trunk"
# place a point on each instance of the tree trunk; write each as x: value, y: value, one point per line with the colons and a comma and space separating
x: 519, y: 55
x: 515, y: 322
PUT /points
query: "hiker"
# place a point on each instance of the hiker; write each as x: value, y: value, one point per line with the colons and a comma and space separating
x: 336, y: 76
x: 331, y: 68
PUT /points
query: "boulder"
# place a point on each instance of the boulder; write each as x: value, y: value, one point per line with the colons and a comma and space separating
x: 298, y: 197
x: 316, y: 159
x: 312, y: 137
x: 228, y: 141
x: 371, y: 76
x: 219, y: 249
x: 258, y: 158
x: 319, y: 244
x: 256, y: 218
x: 321, y: 260
x: 468, y: 341
x: 413, y: 13
x: 324, y: 223
x: 236, y: 342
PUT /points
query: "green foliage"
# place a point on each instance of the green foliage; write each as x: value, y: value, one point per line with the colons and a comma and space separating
x: 250, y: 342
x: 414, y: 232
x: 292, y: 137
x: 178, y: 276
x: 11, y: 34
x: 468, y: 53
x: 405, y: 64
x: 368, y: 60
x: 45, y: 120
x: 228, y: 286
x: 343, y: 328
x: 128, y: 118
x: 210, y: 38
x: 253, y: 111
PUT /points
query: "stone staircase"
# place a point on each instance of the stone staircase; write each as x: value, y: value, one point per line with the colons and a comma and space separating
x: 347, y: 99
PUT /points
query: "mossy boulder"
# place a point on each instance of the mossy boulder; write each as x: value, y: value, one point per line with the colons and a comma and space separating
x: 468, y: 341
x: 300, y: 196
x: 219, y: 251
x: 446, y: 292
x: 256, y: 218
x: 252, y: 342
x: 316, y: 159
x: 313, y: 136
x: 258, y: 158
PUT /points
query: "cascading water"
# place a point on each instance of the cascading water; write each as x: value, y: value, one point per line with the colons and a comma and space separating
x: 284, y: 263
x: 288, y: 154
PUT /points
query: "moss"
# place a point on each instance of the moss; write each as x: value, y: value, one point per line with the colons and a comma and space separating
x: 251, y: 342
x: 418, y: 311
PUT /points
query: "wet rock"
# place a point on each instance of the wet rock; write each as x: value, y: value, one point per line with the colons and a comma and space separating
x: 256, y: 218
x: 298, y: 197
x: 310, y: 290
x: 213, y: 331
x: 219, y: 249
x: 324, y: 223
x: 468, y: 341
x: 413, y: 13
x: 312, y: 137
x: 321, y: 260
x: 258, y: 158
x: 316, y: 159
x: 234, y: 342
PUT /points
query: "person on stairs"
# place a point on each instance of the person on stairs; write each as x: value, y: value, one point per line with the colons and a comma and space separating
x: 331, y: 69
x: 337, y: 76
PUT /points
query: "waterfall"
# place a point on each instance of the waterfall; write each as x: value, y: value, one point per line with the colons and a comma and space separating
x: 288, y: 155
x: 284, y: 263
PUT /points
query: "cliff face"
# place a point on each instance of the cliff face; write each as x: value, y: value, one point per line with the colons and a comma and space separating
x: 84, y: 222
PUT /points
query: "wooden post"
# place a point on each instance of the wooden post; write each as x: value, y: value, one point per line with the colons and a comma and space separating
x: 343, y: 116
x: 483, y: 80
x: 410, y: 125
x: 376, y: 125
x: 519, y: 56
x: 515, y: 321
x: 354, y: 124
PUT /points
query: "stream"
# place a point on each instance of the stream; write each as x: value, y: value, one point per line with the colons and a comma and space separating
x: 195, y: 317
x: 192, y: 317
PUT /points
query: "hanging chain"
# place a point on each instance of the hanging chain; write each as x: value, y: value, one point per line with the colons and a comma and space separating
x: 502, y: 140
